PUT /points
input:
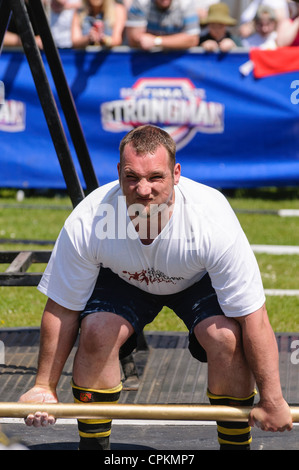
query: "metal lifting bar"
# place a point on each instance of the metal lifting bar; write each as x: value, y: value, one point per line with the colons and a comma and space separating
x: 132, y: 411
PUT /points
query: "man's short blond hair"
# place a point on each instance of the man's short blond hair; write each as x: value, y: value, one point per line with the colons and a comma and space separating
x: 146, y: 139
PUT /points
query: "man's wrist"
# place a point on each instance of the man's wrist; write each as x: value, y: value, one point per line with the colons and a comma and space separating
x: 158, y: 41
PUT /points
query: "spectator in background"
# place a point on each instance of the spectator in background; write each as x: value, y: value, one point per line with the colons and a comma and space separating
x: 218, y: 37
x: 247, y: 27
x: 265, y: 35
x: 202, y: 7
x: 100, y: 22
x: 12, y: 38
x: 60, y: 18
x: 288, y: 30
x: 171, y: 24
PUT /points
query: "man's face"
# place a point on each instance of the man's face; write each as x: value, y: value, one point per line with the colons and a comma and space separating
x: 148, y: 179
x: 163, y: 4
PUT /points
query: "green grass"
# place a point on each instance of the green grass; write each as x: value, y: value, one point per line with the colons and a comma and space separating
x: 284, y: 313
x: 23, y: 306
x: 36, y: 218
x: 42, y: 222
x: 279, y: 271
x: 20, y: 306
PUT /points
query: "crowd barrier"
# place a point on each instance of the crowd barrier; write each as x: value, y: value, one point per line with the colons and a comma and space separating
x: 232, y: 130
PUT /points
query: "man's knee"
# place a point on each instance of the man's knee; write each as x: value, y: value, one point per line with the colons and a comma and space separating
x: 219, y: 334
x: 102, y: 332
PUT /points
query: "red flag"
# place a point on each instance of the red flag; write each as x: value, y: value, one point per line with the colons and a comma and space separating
x: 272, y: 62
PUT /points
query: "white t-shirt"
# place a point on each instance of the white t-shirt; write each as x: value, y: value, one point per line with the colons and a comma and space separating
x: 203, y: 235
x: 179, y: 17
x: 256, y: 40
x: 61, y: 25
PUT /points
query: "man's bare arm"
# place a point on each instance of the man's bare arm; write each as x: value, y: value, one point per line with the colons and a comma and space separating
x: 138, y: 37
x: 59, y: 330
x: 272, y: 413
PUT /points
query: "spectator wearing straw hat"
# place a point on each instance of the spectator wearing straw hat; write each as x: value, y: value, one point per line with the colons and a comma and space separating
x: 218, y: 37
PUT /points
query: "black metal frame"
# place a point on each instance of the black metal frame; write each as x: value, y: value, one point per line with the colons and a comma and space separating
x: 16, y: 273
x: 25, y: 30
x: 19, y: 261
x: 18, y: 9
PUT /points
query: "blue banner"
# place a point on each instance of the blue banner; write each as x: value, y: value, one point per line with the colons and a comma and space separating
x: 231, y: 130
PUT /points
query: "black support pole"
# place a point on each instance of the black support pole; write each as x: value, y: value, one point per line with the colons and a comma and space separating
x: 47, y: 100
x: 5, y: 14
x: 64, y: 94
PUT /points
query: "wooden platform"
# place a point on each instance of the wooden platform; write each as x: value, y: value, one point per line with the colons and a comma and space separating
x: 167, y: 371
x: 167, y: 374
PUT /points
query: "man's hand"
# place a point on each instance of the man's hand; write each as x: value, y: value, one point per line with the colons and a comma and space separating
x: 39, y: 394
x: 147, y: 41
x: 272, y: 417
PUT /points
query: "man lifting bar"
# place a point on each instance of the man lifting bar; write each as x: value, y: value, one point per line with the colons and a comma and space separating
x: 150, y: 239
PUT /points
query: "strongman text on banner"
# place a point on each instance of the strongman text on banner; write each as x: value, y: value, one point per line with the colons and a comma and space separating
x: 231, y: 130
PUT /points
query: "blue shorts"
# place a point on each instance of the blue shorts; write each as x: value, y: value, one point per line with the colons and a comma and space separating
x: 192, y: 305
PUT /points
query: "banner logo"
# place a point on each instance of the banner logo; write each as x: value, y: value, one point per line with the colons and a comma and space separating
x: 12, y: 113
x: 170, y: 103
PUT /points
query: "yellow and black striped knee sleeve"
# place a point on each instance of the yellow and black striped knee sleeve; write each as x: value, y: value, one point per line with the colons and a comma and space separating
x: 233, y: 435
x: 95, y: 433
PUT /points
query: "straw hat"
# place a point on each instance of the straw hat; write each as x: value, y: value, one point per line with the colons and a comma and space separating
x: 219, y: 13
